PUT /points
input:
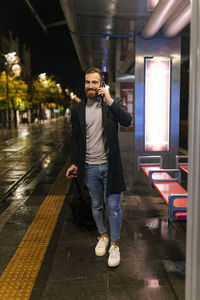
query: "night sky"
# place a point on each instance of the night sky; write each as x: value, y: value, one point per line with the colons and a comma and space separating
x: 53, y: 53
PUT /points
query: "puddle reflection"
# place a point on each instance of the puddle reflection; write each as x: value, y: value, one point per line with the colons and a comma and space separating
x: 161, y: 226
x: 47, y: 160
x: 151, y: 283
x: 23, y: 133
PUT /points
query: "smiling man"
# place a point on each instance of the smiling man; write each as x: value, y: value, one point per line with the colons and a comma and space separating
x: 96, y: 161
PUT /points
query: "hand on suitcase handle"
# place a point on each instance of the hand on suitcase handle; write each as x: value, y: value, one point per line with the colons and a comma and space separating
x: 72, y: 171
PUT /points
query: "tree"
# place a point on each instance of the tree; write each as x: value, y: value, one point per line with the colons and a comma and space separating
x: 3, y: 91
x: 17, y: 93
x: 46, y: 93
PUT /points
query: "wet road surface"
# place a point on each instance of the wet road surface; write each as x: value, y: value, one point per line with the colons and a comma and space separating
x: 23, y: 154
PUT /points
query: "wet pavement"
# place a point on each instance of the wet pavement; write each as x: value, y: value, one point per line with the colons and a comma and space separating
x: 22, y: 152
x: 152, y: 248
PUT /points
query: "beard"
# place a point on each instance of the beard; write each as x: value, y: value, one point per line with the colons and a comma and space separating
x: 91, y: 93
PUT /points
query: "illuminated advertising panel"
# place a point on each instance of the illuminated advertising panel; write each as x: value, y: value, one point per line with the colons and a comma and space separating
x: 157, y: 103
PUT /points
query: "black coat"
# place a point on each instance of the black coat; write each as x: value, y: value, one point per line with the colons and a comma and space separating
x: 110, y: 117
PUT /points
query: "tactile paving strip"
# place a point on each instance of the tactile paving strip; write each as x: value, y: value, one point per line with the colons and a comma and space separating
x: 18, y: 278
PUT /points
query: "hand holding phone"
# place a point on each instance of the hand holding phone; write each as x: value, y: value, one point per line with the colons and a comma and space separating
x: 104, y: 93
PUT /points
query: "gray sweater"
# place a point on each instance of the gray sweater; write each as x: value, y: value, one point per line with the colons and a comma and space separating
x: 95, y: 142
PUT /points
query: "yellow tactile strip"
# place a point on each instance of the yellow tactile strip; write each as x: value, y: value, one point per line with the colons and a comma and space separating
x: 18, y: 279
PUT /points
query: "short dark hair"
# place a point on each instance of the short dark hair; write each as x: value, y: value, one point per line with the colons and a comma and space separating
x: 95, y: 70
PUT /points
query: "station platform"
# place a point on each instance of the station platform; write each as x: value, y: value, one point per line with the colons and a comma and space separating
x: 46, y: 256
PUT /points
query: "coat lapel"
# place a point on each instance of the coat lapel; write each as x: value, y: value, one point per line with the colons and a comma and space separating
x: 81, y: 116
x: 104, y: 111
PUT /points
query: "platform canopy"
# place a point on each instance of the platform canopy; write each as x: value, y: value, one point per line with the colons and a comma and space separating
x: 102, y: 29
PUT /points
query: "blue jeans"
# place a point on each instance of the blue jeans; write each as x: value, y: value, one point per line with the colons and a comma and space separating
x: 96, y: 182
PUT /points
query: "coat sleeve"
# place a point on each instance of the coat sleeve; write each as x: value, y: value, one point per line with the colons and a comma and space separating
x: 121, y: 115
x: 74, y: 137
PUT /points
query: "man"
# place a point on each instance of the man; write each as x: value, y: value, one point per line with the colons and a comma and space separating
x: 95, y: 158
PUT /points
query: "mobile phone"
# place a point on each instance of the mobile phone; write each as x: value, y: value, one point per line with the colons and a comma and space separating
x: 102, y: 85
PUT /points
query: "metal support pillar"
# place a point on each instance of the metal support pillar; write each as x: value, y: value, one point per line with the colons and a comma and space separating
x: 193, y: 221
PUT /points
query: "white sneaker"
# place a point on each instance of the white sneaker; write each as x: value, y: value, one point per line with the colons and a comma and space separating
x: 114, y: 256
x: 100, y: 249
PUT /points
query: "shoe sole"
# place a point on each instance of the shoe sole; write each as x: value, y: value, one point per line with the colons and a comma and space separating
x: 100, y: 254
x: 113, y: 266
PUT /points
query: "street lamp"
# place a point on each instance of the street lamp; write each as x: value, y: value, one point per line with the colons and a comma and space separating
x: 11, y: 58
x: 42, y: 76
x: 44, y: 79
x: 16, y: 69
x: 12, y: 64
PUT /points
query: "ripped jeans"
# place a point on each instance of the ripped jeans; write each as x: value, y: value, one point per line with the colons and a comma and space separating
x: 96, y: 182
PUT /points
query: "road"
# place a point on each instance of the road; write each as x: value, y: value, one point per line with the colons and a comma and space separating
x: 25, y: 154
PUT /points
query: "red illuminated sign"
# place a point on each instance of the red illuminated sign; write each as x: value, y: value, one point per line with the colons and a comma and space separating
x: 127, y: 98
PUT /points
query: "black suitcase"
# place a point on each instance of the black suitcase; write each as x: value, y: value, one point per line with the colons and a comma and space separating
x: 80, y: 205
